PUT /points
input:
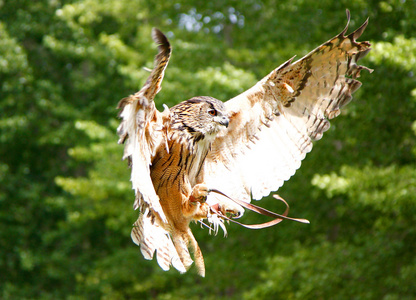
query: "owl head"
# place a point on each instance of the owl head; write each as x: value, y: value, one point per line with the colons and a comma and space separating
x: 200, y: 116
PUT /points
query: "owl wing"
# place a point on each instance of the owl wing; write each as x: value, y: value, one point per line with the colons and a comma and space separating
x: 272, y: 125
x: 143, y: 130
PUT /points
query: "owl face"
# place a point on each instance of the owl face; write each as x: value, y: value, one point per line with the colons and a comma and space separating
x: 201, y: 115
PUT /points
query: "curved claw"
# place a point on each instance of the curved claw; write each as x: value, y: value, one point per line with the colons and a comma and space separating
x: 224, y: 205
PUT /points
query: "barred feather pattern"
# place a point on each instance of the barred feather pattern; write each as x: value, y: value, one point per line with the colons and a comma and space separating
x: 153, y: 238
x: 273, y: 124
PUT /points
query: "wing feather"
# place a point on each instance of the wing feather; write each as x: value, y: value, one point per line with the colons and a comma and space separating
x: 142, y: 129
x: 273, y: 124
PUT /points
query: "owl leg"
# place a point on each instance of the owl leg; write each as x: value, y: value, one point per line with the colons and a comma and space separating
x: 182, y: 239
x: 199, y: 259
x: 181, y: 242
x: 195, y: 205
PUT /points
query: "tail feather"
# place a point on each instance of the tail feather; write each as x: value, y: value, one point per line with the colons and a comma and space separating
x: 151, y: 237
x: 169, y: 250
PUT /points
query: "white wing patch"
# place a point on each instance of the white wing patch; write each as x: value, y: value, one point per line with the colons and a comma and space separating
x: 272, y: 125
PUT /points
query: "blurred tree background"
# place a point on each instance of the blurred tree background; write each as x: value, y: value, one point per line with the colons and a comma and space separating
x: 65, y: 196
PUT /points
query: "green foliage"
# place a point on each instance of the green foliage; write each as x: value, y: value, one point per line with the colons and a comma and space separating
x: 372, y: 241
x: 65, y: 196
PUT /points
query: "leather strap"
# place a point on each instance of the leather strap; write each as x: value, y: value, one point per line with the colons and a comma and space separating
x: 278, y: 218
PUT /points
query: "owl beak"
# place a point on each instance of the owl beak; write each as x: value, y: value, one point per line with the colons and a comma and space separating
x: 223, y: 120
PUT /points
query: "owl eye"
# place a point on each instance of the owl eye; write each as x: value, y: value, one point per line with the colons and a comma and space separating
x: 212, y: 112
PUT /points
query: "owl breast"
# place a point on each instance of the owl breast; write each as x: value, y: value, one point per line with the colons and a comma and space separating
x: 175, y: 170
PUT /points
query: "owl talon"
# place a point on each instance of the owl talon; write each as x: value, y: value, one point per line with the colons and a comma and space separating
x: 199, y: 194
x: 223, y: 210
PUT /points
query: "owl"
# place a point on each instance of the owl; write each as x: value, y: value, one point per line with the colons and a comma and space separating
x: 203, y: 160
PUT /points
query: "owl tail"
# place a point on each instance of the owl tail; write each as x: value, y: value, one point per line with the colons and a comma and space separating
x: 151, y: 237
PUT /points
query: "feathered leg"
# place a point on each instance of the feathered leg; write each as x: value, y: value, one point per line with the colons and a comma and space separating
x: 199, y: 259
x: 181, y: 241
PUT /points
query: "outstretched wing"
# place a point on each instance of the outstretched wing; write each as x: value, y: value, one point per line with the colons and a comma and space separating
x: 272, y: 125
x: 143, y: 130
